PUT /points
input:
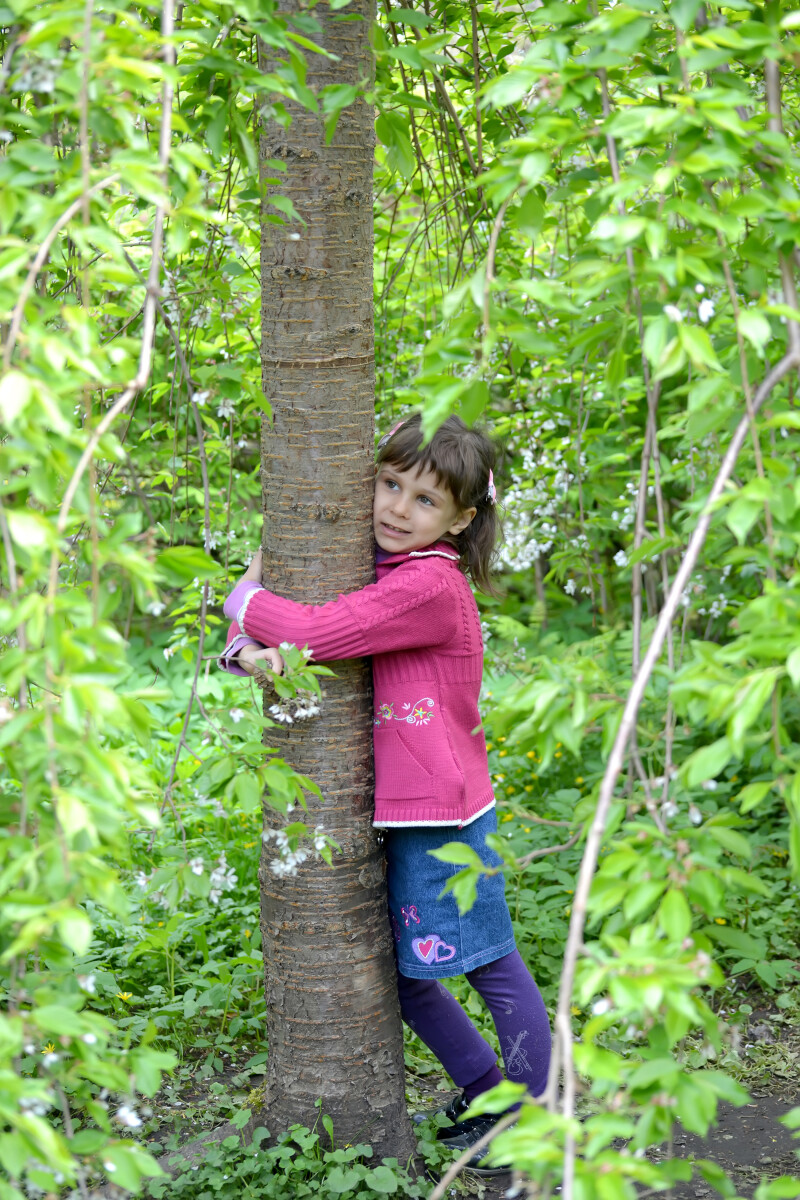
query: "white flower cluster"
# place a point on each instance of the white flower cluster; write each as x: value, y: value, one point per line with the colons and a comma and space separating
x: 128, y: 1116
x: 536, y: 493
x: 289, y: 859
x: 196, y: 866
x: 36, y: 1105
x: 223, y: 879
x: 300, y: 708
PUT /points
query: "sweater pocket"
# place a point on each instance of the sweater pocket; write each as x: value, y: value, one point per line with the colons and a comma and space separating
x: 400, y: 771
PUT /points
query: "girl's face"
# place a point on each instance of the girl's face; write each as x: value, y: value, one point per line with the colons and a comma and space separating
x: 411, y: 510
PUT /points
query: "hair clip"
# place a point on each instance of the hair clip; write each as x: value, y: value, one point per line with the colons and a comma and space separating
x: 491, y: 491
x: 390, y: 434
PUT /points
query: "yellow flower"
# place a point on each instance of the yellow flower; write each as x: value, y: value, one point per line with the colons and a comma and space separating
x: 124, y: 995
x: 526, y: 829
x: 558, y: 745
x: 528, y: 787
x: 502, y: 754
x: 499, y: 778
x: 507, y: 817
x: 557, y: 754
x: 576, y: 1012
x: 534, y: 775
x: 49, y: 1048
x: 531, y: 754
x: 489, y: 746
x: 501, y: 739
x: 247, y: 933
x: 160, y: 923
x: 249, y: 845
x: 720, y: 921
x: 510, y: 790
x: 570, y: 891
x: 734, y: 778
x: 579, y: 779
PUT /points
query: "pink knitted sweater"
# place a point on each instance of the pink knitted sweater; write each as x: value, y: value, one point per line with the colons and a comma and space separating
x: 420, y: 624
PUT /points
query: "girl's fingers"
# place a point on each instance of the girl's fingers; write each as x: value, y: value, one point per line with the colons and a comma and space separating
x: 271, y: 657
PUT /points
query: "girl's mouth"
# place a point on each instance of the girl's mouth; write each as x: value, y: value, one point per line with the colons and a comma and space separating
x: 393, y: 529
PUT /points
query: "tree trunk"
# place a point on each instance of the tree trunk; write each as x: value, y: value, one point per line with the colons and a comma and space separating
x: 333, y: 1020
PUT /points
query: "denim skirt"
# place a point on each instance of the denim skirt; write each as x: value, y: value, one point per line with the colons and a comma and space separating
x: 432, y: 940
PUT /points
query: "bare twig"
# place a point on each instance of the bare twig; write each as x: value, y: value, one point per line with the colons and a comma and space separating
x: 542, y: 851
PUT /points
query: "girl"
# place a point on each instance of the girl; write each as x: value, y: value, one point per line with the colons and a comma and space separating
x: 435, y: 524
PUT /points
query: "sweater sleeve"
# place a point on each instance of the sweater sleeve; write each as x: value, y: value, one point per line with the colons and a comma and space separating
x: 412, y: 607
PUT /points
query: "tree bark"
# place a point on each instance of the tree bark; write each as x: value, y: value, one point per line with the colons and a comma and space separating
x: 333, y: 1019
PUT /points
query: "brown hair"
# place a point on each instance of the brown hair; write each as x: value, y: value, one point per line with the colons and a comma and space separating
x: 461, y: 459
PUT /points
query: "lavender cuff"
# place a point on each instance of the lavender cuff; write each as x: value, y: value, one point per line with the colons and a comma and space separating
x: 227, y: 660
x: 238, y: 598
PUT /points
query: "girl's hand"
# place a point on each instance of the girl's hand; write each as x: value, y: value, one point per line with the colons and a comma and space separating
x: 254, y: 570
x: 265, y: 657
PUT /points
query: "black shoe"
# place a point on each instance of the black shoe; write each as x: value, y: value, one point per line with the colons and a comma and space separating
x: 453, y: 1111
x: 464, y: 1134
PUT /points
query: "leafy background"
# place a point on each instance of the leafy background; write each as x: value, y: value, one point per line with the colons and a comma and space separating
x: 586, y: 236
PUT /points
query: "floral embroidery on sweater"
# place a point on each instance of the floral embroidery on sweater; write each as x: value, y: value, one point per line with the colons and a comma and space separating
x: 413, y: 714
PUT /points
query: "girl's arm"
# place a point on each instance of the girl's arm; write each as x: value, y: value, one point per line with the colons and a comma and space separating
x: 414, y: 606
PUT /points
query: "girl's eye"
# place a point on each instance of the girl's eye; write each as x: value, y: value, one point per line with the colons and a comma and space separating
x: 426, y: 500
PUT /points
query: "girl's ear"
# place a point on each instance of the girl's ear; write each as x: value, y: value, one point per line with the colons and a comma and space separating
x: 463, y: 519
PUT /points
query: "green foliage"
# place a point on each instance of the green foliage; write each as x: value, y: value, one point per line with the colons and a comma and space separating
x: 585, y: 232
x: 296, y: 1165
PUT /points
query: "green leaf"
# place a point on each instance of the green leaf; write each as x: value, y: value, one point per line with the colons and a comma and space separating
x: 75, y: 930
x: 247, y: 792
x: 674, y: 915
x: 707, y: 762
x: 382, y: 1180
x: 754, y: 328
x: 458, y: 853
x: 409, y: 16
x: 697, y: 344
x: 753, y: 794
x: 180, y: 564
x: 742, y: 516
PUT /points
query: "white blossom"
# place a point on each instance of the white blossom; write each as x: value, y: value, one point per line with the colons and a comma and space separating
x: 196, y: 866
x: 109, y: 1166
x: 621, y: 558
x: 89, y: 1038
x: 709, y: 785
x: 569, y: 587
x: 673, y: 312
x: 50, y: 1059
x: 87, y: 984
x: 705, y: 310
x: 222, y: 879
x: 601, y: 1006
x: 699, y: 288
x: 695, y: 816
x: 236, y: 715
x: 200, y: 397
x: 225, y: 410
x: 127, y: 1116
x: 33, y: 1104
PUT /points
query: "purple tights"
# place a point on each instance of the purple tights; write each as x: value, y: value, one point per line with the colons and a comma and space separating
x: 520, y: 1018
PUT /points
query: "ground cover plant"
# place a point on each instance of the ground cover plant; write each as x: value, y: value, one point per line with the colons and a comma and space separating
x: 585, y: 234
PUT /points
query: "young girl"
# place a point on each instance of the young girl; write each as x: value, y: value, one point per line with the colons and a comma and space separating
x: 435, y: 524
